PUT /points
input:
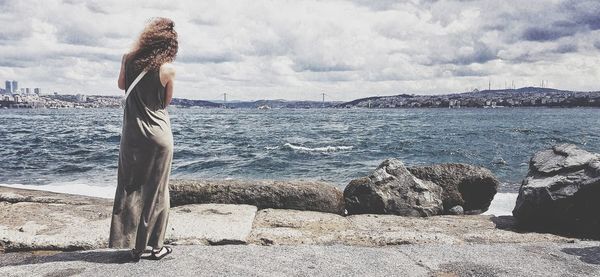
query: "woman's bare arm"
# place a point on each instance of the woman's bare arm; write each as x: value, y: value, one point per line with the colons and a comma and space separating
x: 167, y: 79
x: 121, y: 82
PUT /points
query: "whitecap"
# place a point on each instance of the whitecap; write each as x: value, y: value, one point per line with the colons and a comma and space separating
x: 502, y: 204
x: 112, y: 128
x: 317, y: 149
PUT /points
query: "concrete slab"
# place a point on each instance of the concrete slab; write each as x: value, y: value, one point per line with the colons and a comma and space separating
x: 278, y: 226
x: 26, y: 226
x: 42, y: 226
x: 210, y: 224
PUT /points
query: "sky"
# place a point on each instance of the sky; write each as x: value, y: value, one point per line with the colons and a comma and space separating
x: 298, y: 49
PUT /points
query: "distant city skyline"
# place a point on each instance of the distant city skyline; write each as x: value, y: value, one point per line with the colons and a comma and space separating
x: 297, y: 50
x: 12, y: 86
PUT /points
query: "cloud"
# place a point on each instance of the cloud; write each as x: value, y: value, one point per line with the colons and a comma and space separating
x: 290, y: 49
x: 546, y: 34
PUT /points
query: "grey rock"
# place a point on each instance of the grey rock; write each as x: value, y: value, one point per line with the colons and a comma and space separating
x: 469, y: 186
x: 392, y: 189
x: 560, y: 157
x: 456, y: 210
x: 298, y: 195
x: 561, y: 192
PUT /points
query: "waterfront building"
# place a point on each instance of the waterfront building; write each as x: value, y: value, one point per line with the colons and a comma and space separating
x: 15, y: 86
x: 81, y: 98
x: 8, y: 86
x: 27, y: 91
x: 37, y: 91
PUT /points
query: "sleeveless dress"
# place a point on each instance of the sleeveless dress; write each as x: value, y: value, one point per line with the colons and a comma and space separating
x: 141, y: 207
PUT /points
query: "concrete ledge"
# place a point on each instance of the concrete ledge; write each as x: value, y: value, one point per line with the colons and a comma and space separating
x: 37, y: 220
x: 290, y: 227
x: 297, y: 195
x: 212, y: 224
x: 12, y: 195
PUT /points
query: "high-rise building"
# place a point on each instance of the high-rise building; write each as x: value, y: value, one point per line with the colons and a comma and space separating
x: 8, y: 85
x: 15, y: 86
x: 37, y: 91
x: 27, y: 91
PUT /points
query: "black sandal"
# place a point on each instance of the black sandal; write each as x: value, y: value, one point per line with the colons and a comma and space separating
x: 156, y: 254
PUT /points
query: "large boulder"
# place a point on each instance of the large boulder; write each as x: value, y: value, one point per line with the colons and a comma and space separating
x: 297, y: 195
x: 392, y: 189
x: 471, y: 187
x: 561, y: 192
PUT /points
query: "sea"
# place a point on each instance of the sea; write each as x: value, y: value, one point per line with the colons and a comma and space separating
x: 76, y: 150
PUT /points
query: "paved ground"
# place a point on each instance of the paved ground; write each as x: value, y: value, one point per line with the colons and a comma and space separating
x: 550, y: 259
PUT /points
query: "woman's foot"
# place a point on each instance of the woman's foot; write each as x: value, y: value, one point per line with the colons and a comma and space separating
x: 136, y: 255
x: 160, y: 253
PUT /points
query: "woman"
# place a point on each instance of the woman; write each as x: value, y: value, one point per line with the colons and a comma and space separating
x: 141, y: 207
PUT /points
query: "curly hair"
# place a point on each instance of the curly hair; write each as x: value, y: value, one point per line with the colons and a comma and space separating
x: 156, y: 45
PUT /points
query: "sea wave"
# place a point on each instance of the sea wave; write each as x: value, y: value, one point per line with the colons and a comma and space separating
x: 70, y: 188
x: 502, y: 204
x: 324, y: 149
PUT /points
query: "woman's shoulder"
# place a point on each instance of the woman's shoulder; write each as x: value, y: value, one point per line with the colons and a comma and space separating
x: 126, y: 57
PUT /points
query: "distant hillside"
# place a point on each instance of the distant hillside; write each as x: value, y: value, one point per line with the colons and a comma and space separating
x: 520, y: 91
x: 357, y: 101
x: 526, y: 96
x: 279, y: 104
x: 275, y: 104
x: 195, y: 103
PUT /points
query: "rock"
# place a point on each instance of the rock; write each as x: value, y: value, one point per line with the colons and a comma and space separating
x: 561, y: 192
x: 471, y: 187
x: 456, y: 210
x: 392, y: 189
x: 298, y: 195
x: 563, y: 157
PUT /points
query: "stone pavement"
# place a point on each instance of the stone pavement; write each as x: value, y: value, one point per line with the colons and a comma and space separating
x: 538, y: 259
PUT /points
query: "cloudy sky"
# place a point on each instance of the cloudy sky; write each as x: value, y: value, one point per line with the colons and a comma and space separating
x: 299, y: 49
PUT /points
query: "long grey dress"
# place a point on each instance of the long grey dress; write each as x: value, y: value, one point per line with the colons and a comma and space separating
x: 141, y: 207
